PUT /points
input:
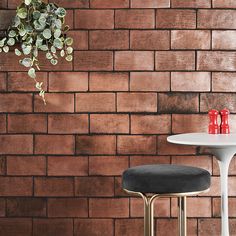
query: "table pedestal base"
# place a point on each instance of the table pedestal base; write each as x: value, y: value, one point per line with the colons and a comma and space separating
x: 224, y: 156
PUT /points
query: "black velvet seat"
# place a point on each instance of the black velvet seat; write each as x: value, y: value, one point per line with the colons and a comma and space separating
x: 166, y: 179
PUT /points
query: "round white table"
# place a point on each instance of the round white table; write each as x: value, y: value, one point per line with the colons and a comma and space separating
x: 223, y: 147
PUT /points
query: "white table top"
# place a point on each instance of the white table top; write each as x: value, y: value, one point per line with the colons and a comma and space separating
x: 204, y: 139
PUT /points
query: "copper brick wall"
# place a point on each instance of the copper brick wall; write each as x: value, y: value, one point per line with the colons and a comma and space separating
x: 142, y: 70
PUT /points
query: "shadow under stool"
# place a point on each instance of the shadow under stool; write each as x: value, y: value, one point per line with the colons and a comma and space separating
x: 155, y: 181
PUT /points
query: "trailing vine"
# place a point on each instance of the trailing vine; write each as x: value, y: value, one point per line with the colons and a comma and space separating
x: 38, y: 26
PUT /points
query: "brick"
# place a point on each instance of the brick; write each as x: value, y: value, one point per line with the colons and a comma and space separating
x: 148, y: 160
x: 3, y: 4
x: 178, y: 103
x: 16, y: 144
x: 93, y: 60
x: 56, y: 102
x: 128, y: 227
x: 82, y: 35
x: 26, y: 165
x: 49, y: 227
x: 95, y: 102
x: 150, y: 4
x: 15, y: 102
x: 209, y: 227
x: 108, y: 81
x: 3, y: 124
x: 216, y: 169
x: 67, y: 207
x: 150, y: 124
x: 168, y: 227
x: 5, y: 18
x: 150, y: 40
x: 217, y: 207
x: 176, y: 19
x: 2, y: 207
x: 216, y: 61
x: 191, y: 4
x: 54, y: 144
x: 166, y: 148
x: 19, y: 227
x: 109, y: 123
x: 109, y: 39
x: 16, y: 186
x: 134, y: 60
x: 204, y: 162
x: 19, y: 81
x: 191, y: 81
x: 190, y: 39
x: 30, y: 123
x: 119, y: 192
x: 67, y: 166
x: 224, y: 4
x: 136, y: 144
x: 3, y: 81
x: 50, y: 187
x: 94, y: 186
x: 26, y: 207
x: 58, y: 124
x: 97, y: 144
x: 150, y: 81
x: 161, y: 207
x: 108, y: 207
x: 216, y: 19
x: 107, y: 165
x: 93, y: 227
x: 136, y: 102
x: 2, y: 165
x: 175, y: 60
x: 189, y: 123
x: 217, y: 100
x: 135, y: 19
x: 68, y: 81
x: 94, y: 19
x: 109, y: 4
x: 74, y: 4
x: 223, y: 39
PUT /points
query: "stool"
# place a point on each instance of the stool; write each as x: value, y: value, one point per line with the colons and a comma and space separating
x: 154, y: 181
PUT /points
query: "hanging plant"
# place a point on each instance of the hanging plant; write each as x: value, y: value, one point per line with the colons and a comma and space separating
x: 38, y: 26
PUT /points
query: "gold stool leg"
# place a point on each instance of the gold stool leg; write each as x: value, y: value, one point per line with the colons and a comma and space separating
x: 182, y: 221
x: 148, y: 215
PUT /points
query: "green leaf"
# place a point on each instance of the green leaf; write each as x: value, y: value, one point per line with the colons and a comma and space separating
x: 27, y: 62
x: 62, y: 53
x: 35, y: 52
x: 11, y: 41
x: 16, y: 22
x: 27, y: 2
x: 54, y: 61
x: 22, y: 32
x: 44, y: 47
x: 49, y: 56
x: 69, y: 58
x: 18, y: 52
x: 26, y: 49
x: 58, y: 23
x: 69, y: 41
x: 69, y: 50
x: 61, y: 12
x: 47, y: 34
x: 36, y: 15
x: 2, y: 42
x: 6, y: 49
x: 22, y: 12
x: 57, y: 33
x: 31, y: 73
x: 53, y: 49
x: 58, y: 43
x: 12, y: 33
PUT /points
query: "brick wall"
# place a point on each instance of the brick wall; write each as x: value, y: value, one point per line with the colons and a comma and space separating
x: 143, y: 69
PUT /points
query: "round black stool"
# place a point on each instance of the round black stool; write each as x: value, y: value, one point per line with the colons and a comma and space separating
x: 153, y: 181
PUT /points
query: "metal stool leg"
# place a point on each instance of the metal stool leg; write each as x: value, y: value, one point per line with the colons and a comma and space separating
x: 182, y: 221
x: 148, y: 215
